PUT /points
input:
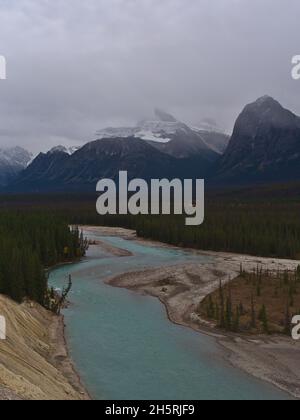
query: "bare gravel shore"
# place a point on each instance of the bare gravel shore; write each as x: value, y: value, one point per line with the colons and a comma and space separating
x: 274, y: 359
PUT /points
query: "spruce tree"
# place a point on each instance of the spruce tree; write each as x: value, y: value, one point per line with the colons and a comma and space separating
x: 253, y: 314
x: 263, y: 317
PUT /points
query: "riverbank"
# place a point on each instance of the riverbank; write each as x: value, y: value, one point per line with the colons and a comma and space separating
x: 181, y: 288
x: 34, y: 361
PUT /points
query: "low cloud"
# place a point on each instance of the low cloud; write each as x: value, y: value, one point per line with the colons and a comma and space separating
x: 74, y: 67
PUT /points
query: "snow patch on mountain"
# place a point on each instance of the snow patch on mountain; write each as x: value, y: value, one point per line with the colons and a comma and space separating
x: 151, y: 136
x: 159, y: 130
x: 62, y: 149
x: 149, y: 132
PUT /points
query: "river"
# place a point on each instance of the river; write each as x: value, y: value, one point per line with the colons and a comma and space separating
x: 123, y: 345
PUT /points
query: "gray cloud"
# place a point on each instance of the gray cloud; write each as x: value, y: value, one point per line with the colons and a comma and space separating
x: 74, y: 66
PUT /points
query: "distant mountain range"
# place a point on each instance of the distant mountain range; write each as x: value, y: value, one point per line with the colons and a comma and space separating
x: 159, y: 148
x: 59, y: 171
x: 264, y: 148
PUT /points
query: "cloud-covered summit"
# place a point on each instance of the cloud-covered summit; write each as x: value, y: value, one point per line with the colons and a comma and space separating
x: 74, y: 67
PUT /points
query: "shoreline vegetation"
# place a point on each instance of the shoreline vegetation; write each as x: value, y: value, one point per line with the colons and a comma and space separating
x: 34, y: 361
x: 182, y: 288
x: 257, y: 302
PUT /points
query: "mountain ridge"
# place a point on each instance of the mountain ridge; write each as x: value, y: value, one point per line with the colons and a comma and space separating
x: 264, y: 148
x: 104, y: 158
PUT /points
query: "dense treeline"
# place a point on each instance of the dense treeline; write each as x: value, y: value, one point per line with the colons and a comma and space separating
x: 258, y: 222
x: 255, y: 228
x: 29, y: 243
x: 247, y: 229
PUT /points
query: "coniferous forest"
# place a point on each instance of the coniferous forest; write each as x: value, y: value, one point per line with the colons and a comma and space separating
x: 262, y: 222
x: 30, y: 242
x: 35, y: 234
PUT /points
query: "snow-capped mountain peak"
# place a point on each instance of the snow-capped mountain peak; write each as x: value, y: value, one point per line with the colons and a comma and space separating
x: 161, y: 129
x: 62, y: 149
x: 164, y: 130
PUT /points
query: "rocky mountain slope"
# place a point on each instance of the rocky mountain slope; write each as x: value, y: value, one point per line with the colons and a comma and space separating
x: 59, y: 171
x: 264, y: 147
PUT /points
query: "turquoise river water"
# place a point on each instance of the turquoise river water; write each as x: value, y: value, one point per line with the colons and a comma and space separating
x: 123, y: 345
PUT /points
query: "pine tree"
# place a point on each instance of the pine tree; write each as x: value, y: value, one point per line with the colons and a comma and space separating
x: 241, y: 309
x: 228, y: 317
x: 210, y: 308
x: 258, y: 290
x: 287, y: 324
x: 263, y: 317
x: 236, y: 323
x: 253, y: 314
x: 222, y: 305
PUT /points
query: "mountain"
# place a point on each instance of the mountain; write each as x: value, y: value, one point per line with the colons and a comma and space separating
x: 12, y: 162
x: 69, y: 150
x: 264, y: 147
x: 173, y: 137
x: 42, y: 172
x: 186, y: 143
x: 212, y: 135
x: 160, y: 129
x: 216, y: 141
x: 105, y: 158
x: 59, y: 171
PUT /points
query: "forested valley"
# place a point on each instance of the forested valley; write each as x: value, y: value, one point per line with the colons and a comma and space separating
x: 35, y: 233
x: 266, y: 225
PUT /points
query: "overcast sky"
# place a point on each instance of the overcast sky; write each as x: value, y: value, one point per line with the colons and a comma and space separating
x: 76, y: 66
